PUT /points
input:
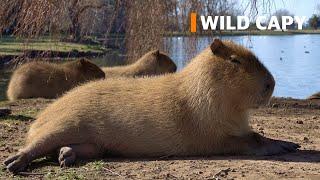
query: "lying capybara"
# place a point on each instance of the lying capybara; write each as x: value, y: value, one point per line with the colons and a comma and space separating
x: 48, y: 80
x: 314, y: 96
x: 199, y: 111
x: 152, y: 63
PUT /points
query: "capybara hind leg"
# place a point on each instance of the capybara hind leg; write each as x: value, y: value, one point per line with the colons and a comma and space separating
x: 255, y: 144
x: 68, y: 154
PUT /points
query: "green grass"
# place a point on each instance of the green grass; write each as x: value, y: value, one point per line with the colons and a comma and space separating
x: 16, y: 46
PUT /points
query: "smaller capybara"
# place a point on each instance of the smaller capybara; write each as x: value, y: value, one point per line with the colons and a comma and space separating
x: 314, y: 96
x: 200, y: 111
x: 49, y: 80
x: 152, y: 63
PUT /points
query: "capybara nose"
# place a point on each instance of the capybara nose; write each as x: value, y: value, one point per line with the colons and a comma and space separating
x: 174, y: 68
x: 269, y: 85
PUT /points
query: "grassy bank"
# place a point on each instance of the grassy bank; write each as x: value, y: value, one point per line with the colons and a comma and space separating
x: 17, y: 46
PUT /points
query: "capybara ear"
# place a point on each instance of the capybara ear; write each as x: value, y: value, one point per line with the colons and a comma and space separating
x: 217, y: 44
x: 83, y: 61
x: 220, y: 49
x: 156, y: 52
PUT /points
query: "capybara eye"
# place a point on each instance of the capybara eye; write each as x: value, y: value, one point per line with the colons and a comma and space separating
x: 235, y: 61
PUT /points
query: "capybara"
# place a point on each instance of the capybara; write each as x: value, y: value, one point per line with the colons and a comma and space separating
x: 199, y: 111
x: 314, y: 96
x: 152, y: 63
x: 49, y: 80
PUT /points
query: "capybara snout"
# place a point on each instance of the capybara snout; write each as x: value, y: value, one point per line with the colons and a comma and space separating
x: 269, y: 84
x: 166, y: 64
x: 90, y: 71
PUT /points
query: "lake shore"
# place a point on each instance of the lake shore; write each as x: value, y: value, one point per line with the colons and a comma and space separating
x: 45, y: 47
x: 284, y: 118
x: 244, y: 33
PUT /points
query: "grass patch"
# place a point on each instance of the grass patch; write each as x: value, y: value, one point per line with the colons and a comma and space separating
x: 4, y: 103
x: 16, y: 46
x: 17, y: 118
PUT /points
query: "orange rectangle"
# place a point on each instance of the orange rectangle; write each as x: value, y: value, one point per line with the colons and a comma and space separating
x: 193, y: 23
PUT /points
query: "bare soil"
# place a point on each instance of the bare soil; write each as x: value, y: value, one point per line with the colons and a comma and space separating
x: 285, y: 119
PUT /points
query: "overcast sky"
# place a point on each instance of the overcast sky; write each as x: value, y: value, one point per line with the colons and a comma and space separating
x: 297, y: 7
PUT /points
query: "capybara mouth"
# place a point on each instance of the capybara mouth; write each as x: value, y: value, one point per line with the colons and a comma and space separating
x: 264, y: 101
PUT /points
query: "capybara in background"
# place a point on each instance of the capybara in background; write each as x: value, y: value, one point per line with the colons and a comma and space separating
x: 199, y: 111
x: 152, y: 63
x: 40, y: 79
x: 314, y: 96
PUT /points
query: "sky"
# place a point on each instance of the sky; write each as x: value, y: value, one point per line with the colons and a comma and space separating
x: 297, y: 7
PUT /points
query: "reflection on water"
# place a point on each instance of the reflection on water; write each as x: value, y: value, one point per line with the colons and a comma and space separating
x: 294, y: 60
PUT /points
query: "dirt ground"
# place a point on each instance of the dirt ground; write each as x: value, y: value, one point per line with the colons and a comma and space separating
x: 285, y: 119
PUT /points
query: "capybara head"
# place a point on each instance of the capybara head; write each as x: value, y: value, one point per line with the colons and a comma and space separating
x: 88, y: 70
x: 164, y: 63
x: 244, y: 77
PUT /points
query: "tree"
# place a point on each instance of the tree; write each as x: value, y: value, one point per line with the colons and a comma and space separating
x: 8, y: 15
x: 75, y: 9
x: 34, y: 17
x: 314, y: 21
x: 145, y: 24
x: 283, y: 12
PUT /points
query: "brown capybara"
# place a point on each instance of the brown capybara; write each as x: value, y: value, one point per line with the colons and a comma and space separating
x: 314, y: 96
x: 48, y: 80
x: 152, y: 63
x: 199, y: 111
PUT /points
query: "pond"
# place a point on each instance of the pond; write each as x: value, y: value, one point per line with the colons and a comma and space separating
x: 294, y: 60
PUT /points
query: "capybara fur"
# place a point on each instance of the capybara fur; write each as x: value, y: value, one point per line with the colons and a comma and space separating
x: 314, y: 96
x: 40, y: 79
x: 199, y: 111
x: 152, y: 63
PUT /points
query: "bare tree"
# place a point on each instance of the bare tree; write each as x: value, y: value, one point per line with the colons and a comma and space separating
x: 35, y: 17
x: 29, y: 17
x: 145, y: 26
x: 282, y: 12
x: 75, y: 9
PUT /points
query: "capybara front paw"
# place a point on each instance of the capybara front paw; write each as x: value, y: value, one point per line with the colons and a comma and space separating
x: 274, y: 147
x: 16, y: 163
x: 66, y: 157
